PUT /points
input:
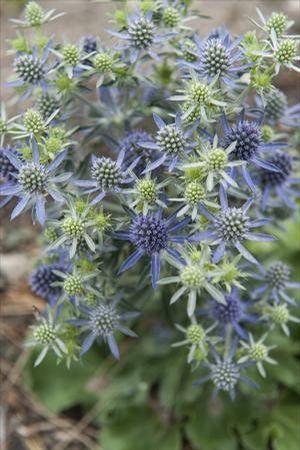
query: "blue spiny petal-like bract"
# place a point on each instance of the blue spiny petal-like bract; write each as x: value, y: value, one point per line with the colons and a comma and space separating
x: 136, y: 193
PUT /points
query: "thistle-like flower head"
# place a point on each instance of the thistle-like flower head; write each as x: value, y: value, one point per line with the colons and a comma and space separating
x: 278, y: 275
x: 258, y: 351
x: 217, y: 159
x: 47, y: 104
x: 104, y: 319
x: 286, y: 51
x: 276, y: 105
x: 106, y: 173
x: 101, y: 321
x: 171, y: 16
x: 194, y: 193
x: 233, y: 312
x: 29, y: 69
x: 195, y: 334
x: 34, y: 14
x: 284, y: 163
x: 42, y: 279
x: 8, y: 171
x: 225, y: 375
x: 33, y: 178
x: 71, y: 55
x: 247, y: 136
x: 172, y: 141
x: 278, y: 22
x: 147, y: 190
x: 34, y: 122
x: 103, y: 61
x: 141, y: 32
x: 230, y: 312
x: 73, y: 285
x: 218, y: 56
x: 34, y: 181
x: 140, y: 35
x: 47, y: 334
x: 192, y: 276
x: 232, y: 224
x: 149, y: 233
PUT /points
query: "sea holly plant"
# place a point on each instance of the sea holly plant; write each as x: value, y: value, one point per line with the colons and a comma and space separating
x: 150, y: 158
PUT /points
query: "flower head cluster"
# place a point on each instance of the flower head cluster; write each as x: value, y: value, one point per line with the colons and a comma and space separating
x: 197, y: 339
x: 115, y: 190
x: 257, y: 352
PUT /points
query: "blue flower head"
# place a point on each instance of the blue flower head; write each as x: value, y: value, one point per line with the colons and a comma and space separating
x: 8, y: 171
x: 41, y: 281
x: 172, y: 141
x: 140, y: 36
x: 32, y: 71
x: 101, y: 322
x: 274, y: 283
x: 218, y: 56
x: 225, y: 373
x: 130, y: 145
x: 276, y: 109
x: 230, y: 227
x: 279, y: 182
x: 34, y: 182
x: 107, y: 176
x: 90, y: 44
x: 249, y: 145
x: 233, y: 312
x: 151, y: 234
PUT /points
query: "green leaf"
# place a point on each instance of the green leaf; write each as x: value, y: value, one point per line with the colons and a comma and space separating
x: 136, y: 428
x: 209, y: 431
x: 59, y: 388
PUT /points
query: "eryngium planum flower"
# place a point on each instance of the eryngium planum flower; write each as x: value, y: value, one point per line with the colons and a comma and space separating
x: 151, y: 234
x: 101, y: 323
x: 230, y: 227
x: 34, y: 182
x: 41, y: 281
